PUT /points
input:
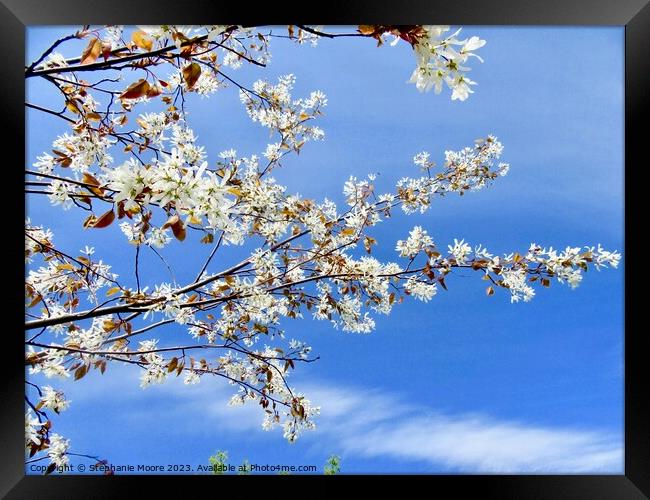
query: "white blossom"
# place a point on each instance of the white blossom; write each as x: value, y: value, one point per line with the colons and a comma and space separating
x: 418, y: 240
x: 439, y: 63
x: 420, y: 290
x: 32, y: 426
x: 54, y: 399
x: 460, y: 250
x: 57, y: 452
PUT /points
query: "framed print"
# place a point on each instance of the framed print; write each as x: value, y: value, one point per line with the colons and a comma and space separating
x: 341, y: 249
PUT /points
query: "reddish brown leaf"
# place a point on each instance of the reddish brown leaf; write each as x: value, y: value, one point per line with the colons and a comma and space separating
x: 171, y: 221
x: 177, y: 227
x: 92, y: 181
x: 191, y: 74
x: 154, y: 90
x: 80, y: 372
x: 136, y: 90
x: 104, y: 220
x: 35, y: 301
x: 179, y: 231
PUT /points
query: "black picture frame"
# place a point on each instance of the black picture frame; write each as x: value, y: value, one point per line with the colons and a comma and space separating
x: 16, y: 15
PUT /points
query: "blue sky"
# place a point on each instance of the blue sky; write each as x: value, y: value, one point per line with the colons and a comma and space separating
x: 465, y: 383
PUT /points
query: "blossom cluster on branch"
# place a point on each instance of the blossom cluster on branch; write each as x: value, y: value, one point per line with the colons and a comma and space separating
x: 311, y: 257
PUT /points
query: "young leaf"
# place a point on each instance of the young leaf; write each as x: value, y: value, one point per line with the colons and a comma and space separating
x: 92, y: 181
x: 80, y: 372
x: 92, y: 51
x: 191, y: 74
x: 179, y: 231
x: 141, y: 39
x: 104, y: 220
x: 136, y: 90
x: 367, y: 29
x: 174, y: 219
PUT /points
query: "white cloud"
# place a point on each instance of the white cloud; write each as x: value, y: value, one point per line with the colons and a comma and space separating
x: 376, y: 425
x: 370, y: 423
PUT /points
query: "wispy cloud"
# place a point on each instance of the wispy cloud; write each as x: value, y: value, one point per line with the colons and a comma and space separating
x: 373, y: 424
x: 376, y: 425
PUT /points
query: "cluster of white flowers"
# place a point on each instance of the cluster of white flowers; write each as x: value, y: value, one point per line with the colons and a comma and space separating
x: 54, y: 60
x: 299, y: 412
x: 356, y: 191
x: 419, y: 289
x: 277, y: 110
x: 371, y: 281
x: 133, y: 231
x: 317, y: 218
x: 60, y: 194
x: 168, y: 33
x: 460, y: 250
x: 416, y: 193
x: 351, y: 317
x: 261, y: 203
x: 158, y: 237
x: 516, y: 272
x: 35, y: 238
x: 422, y: 161
x: 53, y: 399
x: 604, y: 257
x: 231, y: 40
x: 265, y: 263
x: 91, y: 338
x: 195, y: 192
x: 155, y: 371
x: 516, y: 281
x: 191, y: 378
x: 471, y: 167
x: 184, y: 139
x: 417, y: 241
x: 181, y: 179
x: 304, y: 37
x: 231, y: 60
x: 51, y: 363
x: 128, y: 180
x: 45, y: 163
x: 439, y: 61
x: 207, y: 83
x: 171, y: 305
x: 56, y: 279
x: 153, y: 126
x: 57, y: 452
x: 294, y: 427
x: 567, y: 266
x: 261, y: 306
x: 300, y: 348
x: 79, y: 152
x: 32, y: 427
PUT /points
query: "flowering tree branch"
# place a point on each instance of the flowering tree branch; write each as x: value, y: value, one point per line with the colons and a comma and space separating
x: 311, y: 257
